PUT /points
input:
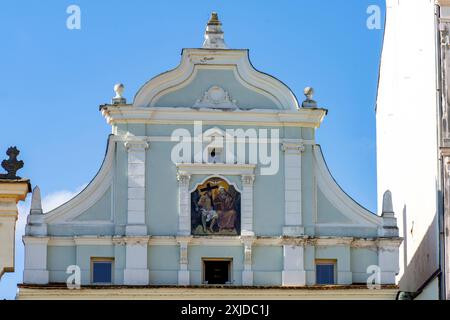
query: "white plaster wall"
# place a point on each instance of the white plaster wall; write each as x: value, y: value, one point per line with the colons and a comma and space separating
x: 407, y: 133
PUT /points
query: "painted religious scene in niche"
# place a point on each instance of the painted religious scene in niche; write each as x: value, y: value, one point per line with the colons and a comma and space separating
x: 215, y: 209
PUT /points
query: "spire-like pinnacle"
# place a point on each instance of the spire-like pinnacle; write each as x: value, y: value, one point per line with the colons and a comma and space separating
x: 214, y: 35
x: 36, y: 203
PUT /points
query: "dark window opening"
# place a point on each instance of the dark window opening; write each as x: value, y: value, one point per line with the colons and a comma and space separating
x: 217, y: 271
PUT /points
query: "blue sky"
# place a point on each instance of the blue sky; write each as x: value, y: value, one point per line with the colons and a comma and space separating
x: 53, y: 78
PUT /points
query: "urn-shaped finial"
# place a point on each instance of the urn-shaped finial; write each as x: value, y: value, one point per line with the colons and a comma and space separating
x: 118, y: 98
x: 309, y: 102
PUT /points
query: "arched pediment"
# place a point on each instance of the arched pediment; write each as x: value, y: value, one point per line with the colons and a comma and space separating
x: 218, y: 79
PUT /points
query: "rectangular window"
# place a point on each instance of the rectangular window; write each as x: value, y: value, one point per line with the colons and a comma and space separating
x: 217, y: 271
x: 102, y: 269
x: 325, y: 271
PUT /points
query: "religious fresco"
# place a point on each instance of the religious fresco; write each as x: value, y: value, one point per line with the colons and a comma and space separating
x: 215, y: 209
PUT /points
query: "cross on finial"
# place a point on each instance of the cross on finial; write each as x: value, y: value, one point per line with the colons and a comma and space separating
x: 11, y: 165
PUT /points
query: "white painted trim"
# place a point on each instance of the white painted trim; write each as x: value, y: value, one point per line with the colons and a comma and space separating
x: 170, y: 139
x: 192, y: 59
x: 346, y: 205
x: 212, y: 177
x: 92, y: 223
x: 293, y: 220
x: 353, y: 242
x: 89, y: 195
x: 215, y: 168
x: 93, y: 241
x: 310, y: 118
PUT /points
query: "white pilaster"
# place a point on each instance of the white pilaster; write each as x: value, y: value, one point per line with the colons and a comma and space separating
x: 247, y: 205
x: 136, y: 187
x: 183, y: 272
x: 247, y: 274
x: 136, y: 271
x: 35, y: 269
x: 184, y: 211
x: 293, y: 189
x: 294, y: 266
x: 388, y: 260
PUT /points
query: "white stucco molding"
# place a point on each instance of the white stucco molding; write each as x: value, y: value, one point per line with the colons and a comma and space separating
x: 191, y: 59
x: 184, y: 204
x: 216, y: 168
x: 136, y: 178
x: 89, y: 195
x: 293, y: 219
x: 358, y: 215
x: 35, y: 266
x: 183, y: 272
x: 136, y: 143
x: 247, y: 205
x: 247, y: 273
x: 308, y: 118
x: 292, y: 147
x: 353, y: 242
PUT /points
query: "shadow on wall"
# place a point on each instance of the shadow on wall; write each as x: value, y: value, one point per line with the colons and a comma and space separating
x: 425, y: 261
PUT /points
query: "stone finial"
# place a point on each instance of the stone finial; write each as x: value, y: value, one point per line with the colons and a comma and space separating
x: 389, y: 228
x: 214, y: 38
x: 119, y: 99
x: 387, y: 202
x: 36, y: 203
x: 11, y: 165
x: 309, y: 102
x: 36, y: 225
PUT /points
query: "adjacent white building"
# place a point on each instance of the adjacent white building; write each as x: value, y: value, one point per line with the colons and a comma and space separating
x: 413, y: 139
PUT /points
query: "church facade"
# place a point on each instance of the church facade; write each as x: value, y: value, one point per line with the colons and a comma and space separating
x: 212, y: 176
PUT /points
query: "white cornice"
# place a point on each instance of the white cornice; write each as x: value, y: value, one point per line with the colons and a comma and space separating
x: 216, y: 168
x: 92, y: 241
x: 310, y: 118
x: 385, y: 243
x: 35, y: 240
x: 170, y: 139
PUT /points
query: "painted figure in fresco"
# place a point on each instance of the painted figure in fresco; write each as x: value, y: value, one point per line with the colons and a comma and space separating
x: 205, y: 204
x: 224, y: 202
x: 215, y: 209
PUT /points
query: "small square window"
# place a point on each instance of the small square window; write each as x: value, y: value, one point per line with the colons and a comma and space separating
x: 325, y: 272
x: 102, y: 271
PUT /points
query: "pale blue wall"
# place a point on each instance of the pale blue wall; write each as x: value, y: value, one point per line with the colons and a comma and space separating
x: 100, y: 211
x: 361, y: 259
x: 58, y: 259
x: 187, y: 96
x: 267, y: 264
x: 163, y: 263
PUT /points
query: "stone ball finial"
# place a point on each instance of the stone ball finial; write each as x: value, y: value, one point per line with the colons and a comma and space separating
x: 309, y: 92
x: 119, y: 88
x: 309, y: 102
